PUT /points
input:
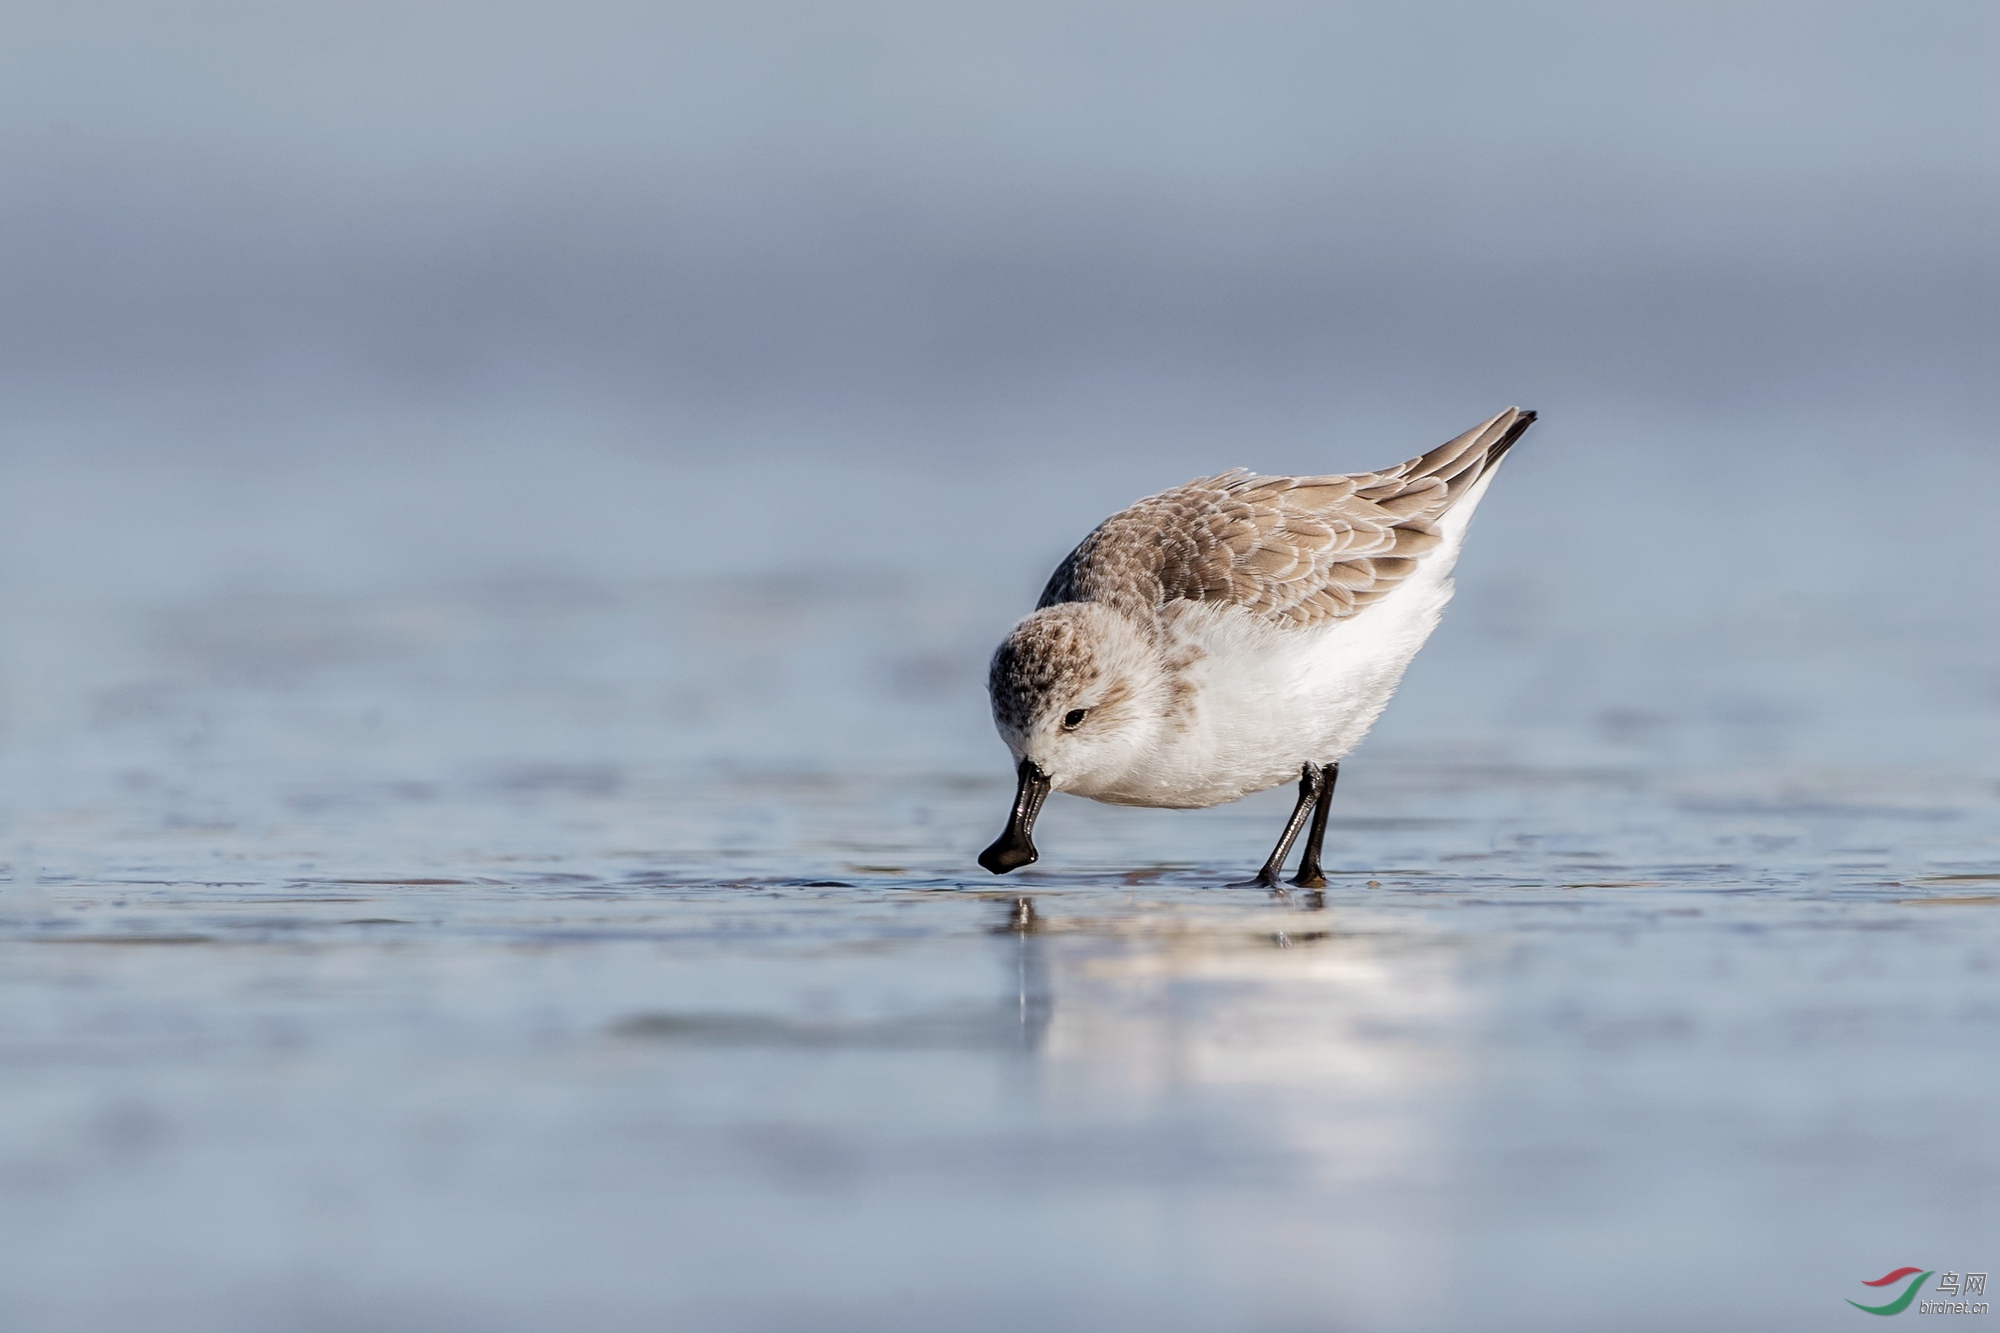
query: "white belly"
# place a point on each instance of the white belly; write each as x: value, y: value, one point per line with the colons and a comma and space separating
x: 1260, y: 700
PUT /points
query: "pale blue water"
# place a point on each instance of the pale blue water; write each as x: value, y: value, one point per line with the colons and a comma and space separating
x: 495, y: 940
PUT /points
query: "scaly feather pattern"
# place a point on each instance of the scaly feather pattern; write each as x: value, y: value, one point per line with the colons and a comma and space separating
x: 1298, y: 551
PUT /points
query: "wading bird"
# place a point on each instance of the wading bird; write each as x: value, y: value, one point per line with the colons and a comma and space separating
x: 1232, y: 634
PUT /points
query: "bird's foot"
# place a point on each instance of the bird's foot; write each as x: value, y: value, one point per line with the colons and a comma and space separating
x: 1266, y: 879
x: 1309, y: 879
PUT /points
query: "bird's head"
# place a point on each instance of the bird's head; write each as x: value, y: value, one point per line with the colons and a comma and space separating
x: 1078, y: 693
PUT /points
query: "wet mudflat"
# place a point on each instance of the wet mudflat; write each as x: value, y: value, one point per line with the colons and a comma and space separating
x: 1572, y: 1047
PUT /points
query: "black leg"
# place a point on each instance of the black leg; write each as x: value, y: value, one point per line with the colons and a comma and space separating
x: 1310, y: 783
x: 1310, y: 876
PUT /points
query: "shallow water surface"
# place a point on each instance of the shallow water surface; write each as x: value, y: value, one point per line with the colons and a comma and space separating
x: 1565, y: 1049
x: 446, y: 935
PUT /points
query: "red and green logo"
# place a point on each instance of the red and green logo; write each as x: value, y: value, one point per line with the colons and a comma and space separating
x: 1902, y: 1302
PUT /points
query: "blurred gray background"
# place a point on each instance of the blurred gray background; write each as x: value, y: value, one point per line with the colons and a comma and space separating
x: 346, y: 334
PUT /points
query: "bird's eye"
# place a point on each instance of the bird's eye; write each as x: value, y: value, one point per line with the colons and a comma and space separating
x: 1074, y: 718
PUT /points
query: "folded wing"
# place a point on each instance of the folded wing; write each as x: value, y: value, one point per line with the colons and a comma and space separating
x: 1299, y: 550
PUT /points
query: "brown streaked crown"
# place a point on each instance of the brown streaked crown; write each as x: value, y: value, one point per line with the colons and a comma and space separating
x: 1043, y: 653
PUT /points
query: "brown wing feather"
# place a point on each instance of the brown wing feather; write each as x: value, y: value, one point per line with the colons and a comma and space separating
x: 1300, y: 550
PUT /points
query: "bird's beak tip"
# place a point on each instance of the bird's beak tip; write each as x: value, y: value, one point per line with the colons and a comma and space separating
x: 1015, y: 847
x: 1008, y: 854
